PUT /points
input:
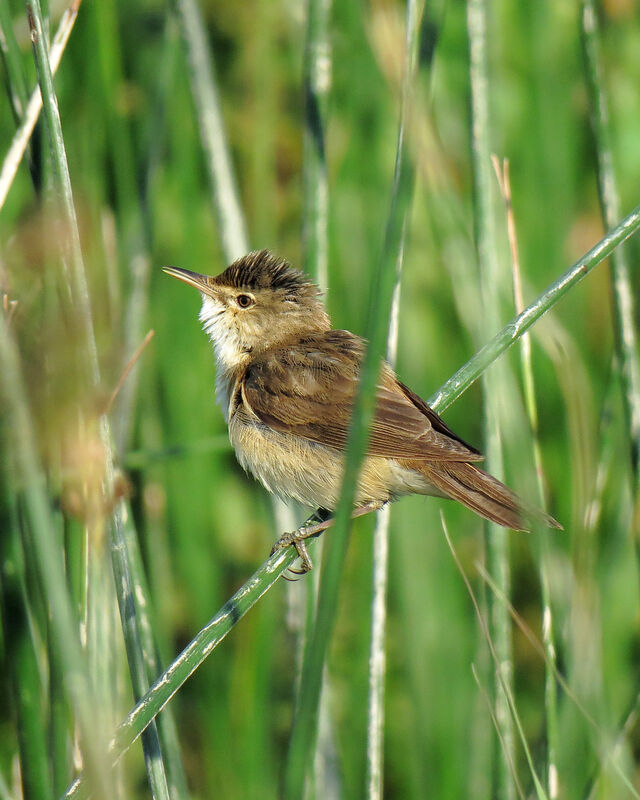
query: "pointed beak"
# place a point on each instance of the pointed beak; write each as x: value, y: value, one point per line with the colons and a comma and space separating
x: 201, y: 282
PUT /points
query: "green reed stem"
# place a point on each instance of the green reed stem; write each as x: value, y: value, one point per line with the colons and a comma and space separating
x: 129, y: 569
x: 162, y: 753
x: 232, y: 226
x: 127, y: 585
x: 548, y: 637
x: 494, y: 380
x: 62, y: 179
x: 623, y: 294
x: 316, y: 84
x: 380, y: 577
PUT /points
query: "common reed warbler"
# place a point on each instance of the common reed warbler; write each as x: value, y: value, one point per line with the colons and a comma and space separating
x: 286, y: 382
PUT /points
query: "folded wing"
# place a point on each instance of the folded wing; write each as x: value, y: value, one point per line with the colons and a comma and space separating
x: 308, y: 387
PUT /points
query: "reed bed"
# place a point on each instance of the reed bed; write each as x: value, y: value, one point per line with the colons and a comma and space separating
x: 147, y: 645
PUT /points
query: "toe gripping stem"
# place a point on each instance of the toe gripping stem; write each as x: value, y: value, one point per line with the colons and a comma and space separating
x: 318, y: 522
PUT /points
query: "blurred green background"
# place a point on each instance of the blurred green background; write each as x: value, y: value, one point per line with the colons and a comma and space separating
x: 143, y: 199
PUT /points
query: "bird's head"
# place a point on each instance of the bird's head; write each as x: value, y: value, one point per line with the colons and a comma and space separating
x: 257, y: 303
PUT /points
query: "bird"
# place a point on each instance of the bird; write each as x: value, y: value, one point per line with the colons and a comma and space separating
x: 286, y: 383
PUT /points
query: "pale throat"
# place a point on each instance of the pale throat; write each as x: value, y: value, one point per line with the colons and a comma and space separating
x: 230, y: 351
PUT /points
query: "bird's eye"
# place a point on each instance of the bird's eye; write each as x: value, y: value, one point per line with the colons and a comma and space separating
x: 244, y: 300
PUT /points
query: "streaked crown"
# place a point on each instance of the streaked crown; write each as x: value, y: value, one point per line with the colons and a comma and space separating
x: 263, y: 270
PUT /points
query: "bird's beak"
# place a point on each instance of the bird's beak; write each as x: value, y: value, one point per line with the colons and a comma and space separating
x: 201, y: 282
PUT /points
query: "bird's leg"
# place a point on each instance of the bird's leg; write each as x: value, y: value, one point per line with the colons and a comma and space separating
x: 318, y: 522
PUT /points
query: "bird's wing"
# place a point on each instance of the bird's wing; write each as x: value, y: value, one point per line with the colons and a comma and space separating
x: 307, y: 388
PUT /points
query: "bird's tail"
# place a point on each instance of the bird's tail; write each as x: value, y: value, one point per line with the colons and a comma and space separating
x: 484, y: 494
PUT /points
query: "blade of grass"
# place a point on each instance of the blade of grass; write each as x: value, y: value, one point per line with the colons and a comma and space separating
x: 548, y: 638
x: 305, y: 721
x: 494, y: 719
x: 375, y: 711
x: 23, y: 134
x: 265, y: 577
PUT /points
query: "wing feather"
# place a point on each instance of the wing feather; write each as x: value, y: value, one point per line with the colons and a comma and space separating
x: 307, y: 389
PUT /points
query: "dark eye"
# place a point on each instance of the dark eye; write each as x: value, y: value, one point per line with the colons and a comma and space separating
x: 244, y: 300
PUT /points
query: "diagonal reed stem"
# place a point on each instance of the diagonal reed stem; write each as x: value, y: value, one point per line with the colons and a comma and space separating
x: 190, y: 659
x: 461, y: 380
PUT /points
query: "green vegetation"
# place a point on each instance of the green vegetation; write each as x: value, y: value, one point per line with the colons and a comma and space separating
x: 125, y: 523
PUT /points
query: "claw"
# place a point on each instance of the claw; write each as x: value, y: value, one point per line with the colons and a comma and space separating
x: 296, y: 538
x: 298, y: 572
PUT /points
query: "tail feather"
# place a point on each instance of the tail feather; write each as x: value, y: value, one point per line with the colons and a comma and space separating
x: 484, y: 494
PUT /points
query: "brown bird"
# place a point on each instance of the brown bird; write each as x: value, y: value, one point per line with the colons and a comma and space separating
x: 286, y: 383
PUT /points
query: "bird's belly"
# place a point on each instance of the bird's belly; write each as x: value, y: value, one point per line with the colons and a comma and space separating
x: 293, y: 467
x: 288, y: 465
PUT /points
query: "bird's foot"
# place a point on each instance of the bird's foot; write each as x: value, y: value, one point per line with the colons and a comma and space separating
x: 317, y: 522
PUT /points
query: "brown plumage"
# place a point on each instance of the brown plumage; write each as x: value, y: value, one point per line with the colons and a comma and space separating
x: 287, y: 382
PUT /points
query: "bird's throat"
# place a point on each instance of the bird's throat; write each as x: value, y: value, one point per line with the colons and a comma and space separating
x: 230, y: 351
